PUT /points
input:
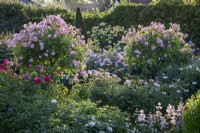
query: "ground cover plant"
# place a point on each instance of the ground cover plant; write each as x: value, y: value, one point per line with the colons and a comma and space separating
x: 140, y: 79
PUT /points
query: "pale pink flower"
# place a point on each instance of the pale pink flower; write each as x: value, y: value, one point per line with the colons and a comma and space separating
x: 31, y: 60
x: 53, y: 53
x: 35, y: 38
x: 153, y: 48
x: 32, y: 45
x: 46, y: 54
x: 25, y: 45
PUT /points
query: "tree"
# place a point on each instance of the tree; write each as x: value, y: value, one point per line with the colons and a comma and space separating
x: 79, y: 23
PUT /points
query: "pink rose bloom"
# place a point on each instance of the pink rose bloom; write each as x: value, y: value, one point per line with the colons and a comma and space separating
x: 35, y: 38
x: 146, y: 43
x: 37, y: 80
x: 47, y: 79
x: 41, y: 68
x: 153, y: 48
x: 27, y: 76
x: 73, y: 53
x: 25, y: 45
x: 6, y: 62
x: 59, y: 73
x: 83, y: 72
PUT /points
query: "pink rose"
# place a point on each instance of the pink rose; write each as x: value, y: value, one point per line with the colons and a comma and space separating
x: 37, y: 80
x: 6, y: 62
x: 47, y: 79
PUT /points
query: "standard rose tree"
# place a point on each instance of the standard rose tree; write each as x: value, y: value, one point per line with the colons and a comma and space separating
x: 52, y: 43
x: 154, y: 47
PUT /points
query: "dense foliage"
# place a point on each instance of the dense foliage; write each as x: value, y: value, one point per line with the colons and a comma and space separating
x: 191, y: 114
x: 122, y: 80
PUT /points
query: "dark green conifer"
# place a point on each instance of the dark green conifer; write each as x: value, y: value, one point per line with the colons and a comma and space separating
x: 79, y: 23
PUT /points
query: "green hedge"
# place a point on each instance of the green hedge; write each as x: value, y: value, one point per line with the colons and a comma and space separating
x: 14, y: 15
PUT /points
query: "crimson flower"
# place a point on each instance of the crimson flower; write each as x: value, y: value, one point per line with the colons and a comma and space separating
x: 47, y: 79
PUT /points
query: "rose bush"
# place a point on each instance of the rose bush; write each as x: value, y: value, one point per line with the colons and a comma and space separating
x: 52, y: 43
x: 154, y: 47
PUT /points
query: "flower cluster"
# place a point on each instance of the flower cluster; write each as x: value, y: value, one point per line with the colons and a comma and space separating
x: 50, y: 42
x: 5, y: 67
x: 112, y: 60
x: 106, y: 126
x: 158, y: 121
x: 94, y: 74
x: 155, y: 47
x: 38, y: 74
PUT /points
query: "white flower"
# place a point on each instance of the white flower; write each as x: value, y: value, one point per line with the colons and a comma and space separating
x: 162, y: 124
x: 156, y: 85
x: 21, y: 58
x: 186, y: 90
x: 151, y: 80
x: 53, y: 53
x: 146, y: 83
x: 46, y: 54
x: 32, y: 46
x: 165, y: 77
x: 109, y: 129
x: 91, y: 124
x: 89, y: 72
x: 178, y: 91
x: 164, y: 93
x: 101, y: 132
x: 66, y: 77
x: 127, y: 82
x: 53, y: 101
x: 190, y: 66
x: 194, y: 83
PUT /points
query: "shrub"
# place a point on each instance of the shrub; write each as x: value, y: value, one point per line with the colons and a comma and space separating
x: 52, y: 43
x: 105, y: 35
x: 85, y: 116
x: 111, y: 60
x: 139, y: 94
x: 5, y: 52
x: 190, y: 74
x: 191, y: 114
x: 155, y: 47
x: 170, y: 121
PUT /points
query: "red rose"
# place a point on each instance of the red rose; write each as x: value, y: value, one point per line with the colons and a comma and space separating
x: 37, y: 80
x: 6, y: 62
x: 47, y: 79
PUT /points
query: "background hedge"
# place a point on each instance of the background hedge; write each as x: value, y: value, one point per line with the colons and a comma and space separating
x: 14, y: 15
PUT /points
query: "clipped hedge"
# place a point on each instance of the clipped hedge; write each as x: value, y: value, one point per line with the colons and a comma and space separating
x: 14, y: 15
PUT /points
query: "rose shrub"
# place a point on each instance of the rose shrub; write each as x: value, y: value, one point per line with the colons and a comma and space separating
x: 52, y: 43
x: 154, y: 47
